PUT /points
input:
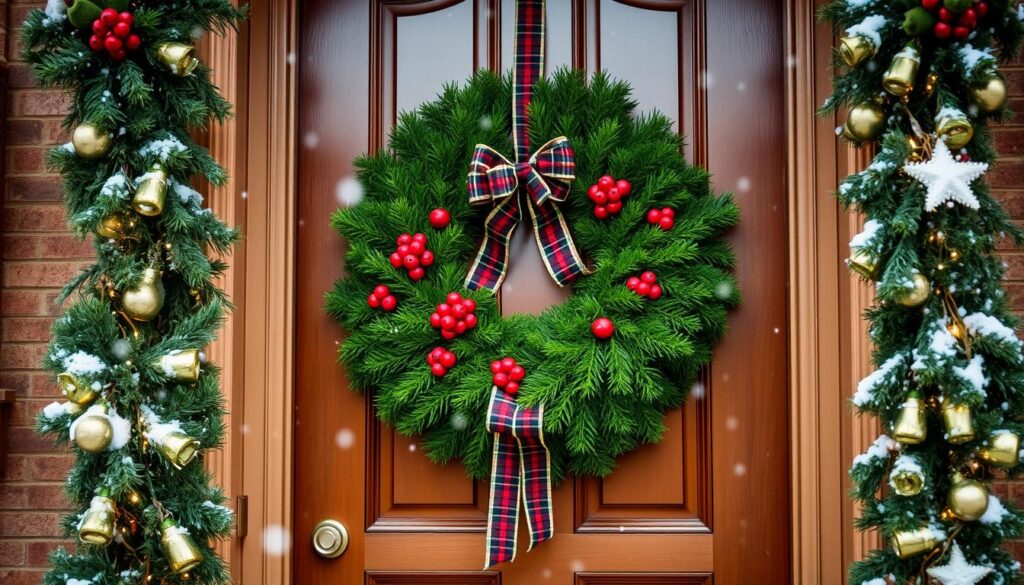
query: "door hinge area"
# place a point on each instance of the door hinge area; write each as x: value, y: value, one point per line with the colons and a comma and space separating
x: 242, y: 516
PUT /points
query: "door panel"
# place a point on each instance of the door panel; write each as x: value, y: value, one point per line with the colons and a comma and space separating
x: 710, y: 502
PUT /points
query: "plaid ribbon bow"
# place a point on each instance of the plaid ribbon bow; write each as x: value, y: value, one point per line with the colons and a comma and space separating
x: 521, y: 472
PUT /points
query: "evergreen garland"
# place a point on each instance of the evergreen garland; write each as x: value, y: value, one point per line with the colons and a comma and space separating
x: 602, y: 398
x: 957, y: 345
x: 145, y: 109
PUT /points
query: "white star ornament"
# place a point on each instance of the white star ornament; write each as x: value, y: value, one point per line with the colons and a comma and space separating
x: 946, y: 179
x: 957, y: 571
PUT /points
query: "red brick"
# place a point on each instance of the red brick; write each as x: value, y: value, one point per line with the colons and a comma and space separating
x: 20, y: 302
x: 27, y: 329
x: 16, y: 468
x: 26, y: 160
x: 1007, y: 174
x: 20, y: 76
x: 22, y: 356
x: 39, y: 274
x: 13, y: 497
x: 27, y: 440
x: 24, y: 132
x: 43, y: 385
x: 21, y: 577
x: 39, y: 103
x: 21, y: 247
x: 39, y: 552
x: 34, y: 218
x: 34, y: 189
x: 29, y: 524
x: 1008, y: 142
x: 47, y: 497
x: 66, y: 247
x: 16, y: 380
x: 12, y: 553
x: 51, y: 467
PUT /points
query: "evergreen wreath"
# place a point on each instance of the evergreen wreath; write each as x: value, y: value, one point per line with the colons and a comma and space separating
x: 603, y: 396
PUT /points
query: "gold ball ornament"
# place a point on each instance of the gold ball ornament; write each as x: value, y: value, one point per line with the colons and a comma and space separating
x: 111, y: 228
x: 856, y: 49
x: 968, y: 498
x: 864, y: 122
x: 93, y: 432
x: 918, y: 294
x: 144, y: 301
x: 991, y: 96
x: 90, y: 141
x: 1003, y: 449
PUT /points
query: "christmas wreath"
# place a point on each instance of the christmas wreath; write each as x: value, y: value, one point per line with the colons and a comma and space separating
x: 624, y: 348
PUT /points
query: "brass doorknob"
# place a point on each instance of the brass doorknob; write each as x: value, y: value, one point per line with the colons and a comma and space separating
x: 330, y: 539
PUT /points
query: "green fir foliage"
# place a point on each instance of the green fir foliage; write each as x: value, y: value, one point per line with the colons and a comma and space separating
x: 150, y: 114
x: 602, y: 398
x: 955, y: 248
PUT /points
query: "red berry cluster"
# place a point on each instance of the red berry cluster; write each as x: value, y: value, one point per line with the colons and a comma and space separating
x: 381, y: 298
x: 645, y: 286
x: 441, y: 360
x: 952, y: 24
x: 665, y: 218
x: 413, y: 255
x: 112, y: 32
x: 507, y: 374
x: 607, y: 195
x: 455, y: 316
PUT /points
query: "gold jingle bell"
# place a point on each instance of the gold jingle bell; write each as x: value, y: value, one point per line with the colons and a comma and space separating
x: 178, y: 448
x: 111, y: 227
x: 76, y: 391
x: 90, y: 141
x: 991, y: 96
x: 856, y: 49
x: 864, y: 122
x: 911, y: 425
x: 959, y: 422
x: 97, y: 526
x: 144, y: 301
x: 918, y: 294
x: 179, y: 58
x: 907, y: 482
x: 968, y: 498
x: 151, y: 194
x: 954, y: 127
x: 1003, y: 449
x: 864, y: 263
x: 909, y: 543
x: 182, y: 555
x: 93, y: 432
x: 899, y: 78
x: 180, y: 365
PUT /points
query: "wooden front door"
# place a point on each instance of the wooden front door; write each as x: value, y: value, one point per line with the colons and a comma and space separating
x: 711, y: 503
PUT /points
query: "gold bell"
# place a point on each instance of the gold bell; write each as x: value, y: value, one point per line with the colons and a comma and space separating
x: 75, y: 390
x: 178, y: 448
x: 182, y: 555
x: 907, y: 482
x: 899, y: 78
x: 968, y: 498
x: 97, y: 526
x: 151, y: 194
x: 111, y: 228
x: 1003, y: 449
x: 93, y: 432
x: 953, y: 126
x: 180, y: 365
x: 178, y: 58
x: 864, y: 263
x: 959, y: 423
x: 991, y: 96
x: 90, y: 141
x: 864, y: 122
x: 911, y: 424
x: 909, y: 543
x: 918, y: 294
x: 856, y: 49
x: 144, y: 300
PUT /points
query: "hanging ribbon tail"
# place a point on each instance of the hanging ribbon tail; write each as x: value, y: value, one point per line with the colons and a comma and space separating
x: 520, y: 472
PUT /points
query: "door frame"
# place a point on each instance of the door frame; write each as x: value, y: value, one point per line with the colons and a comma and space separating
x: 256, y: 69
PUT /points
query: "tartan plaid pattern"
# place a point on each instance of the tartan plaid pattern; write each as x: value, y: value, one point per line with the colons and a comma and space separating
x: 527, y: 67
x: 521, y: 472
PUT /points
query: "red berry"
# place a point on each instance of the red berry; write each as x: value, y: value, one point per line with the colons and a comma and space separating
x: 605, y: 182
x: 623, y: 186
x: 930, y: 4
x: 643, y: 289
x: 448, y: 323
x: 602, y: 328
x: 600, y: 212
x: 435, y: 320
x: 507, y: 364
x: 592, y: 192
x: 403, y: 250
x: 444, y: 309
x: 416, y: 248
x: 459, y: 310
x: 460, y: 326
x: 654, y: 216
x: 416, y: 274
x: 668, y: 212
x: 438, y: 369
x: 113, y: 44
x: 95, y: 43
x: 517, y: 373
x: 649, y: 277
x: 126, y: 17
x: 512, y: 387
x: 448, y: 335
x: 632, y: 282
x: 470, y: 304
x: 448, y: 359
x: 419, y: 237
x: 600, y: 198
x: 389, y: 303
x: 942, y: 30
x: 411, y: 261
x: 614, y: 195
x: 439, y: 218
x: 961, y: 32
x: 453, y: 298
x: 981, y: 8
x: 471, y: 321
x: 667, y: 223
x: 119, y: 55
x: 426, y: 258
x: 969, y: 18
x: 496, y: 366
x: 373, y: 301
x: 133, y: 42
x: 108, y: 16
x: 655, y: 293
x: 404, y: 239
x: 436, y: 353
x: 99, y: 28
x: 122, y: 30
x: 501, y: 379
x: 381, y: 290
x: 614, y: 207
x: 395, y: 259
